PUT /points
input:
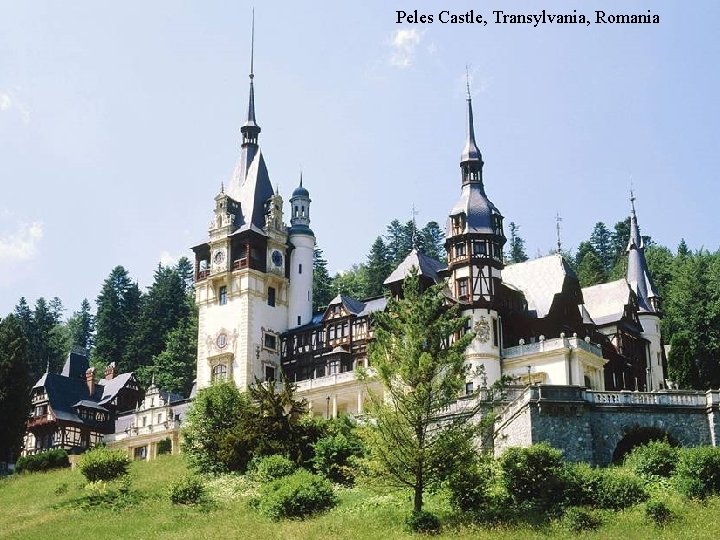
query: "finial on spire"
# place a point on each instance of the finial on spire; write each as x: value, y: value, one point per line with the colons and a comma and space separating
x: 301, y: 178
x: 277, y: 188
x: 222, y: 187
x: 467, y: 81
x: 558, y: 219
x: 47, y: 366
x: 252, y: 47
x: 414, y: 227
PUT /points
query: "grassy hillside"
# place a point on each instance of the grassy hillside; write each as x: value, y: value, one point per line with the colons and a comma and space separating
x: 46, y: 506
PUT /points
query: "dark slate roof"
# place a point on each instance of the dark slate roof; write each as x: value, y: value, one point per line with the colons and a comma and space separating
x: 540, y: 280
x: 471, y: 152
x: 112, y: 387
x: 427, y: 266
x: 477, y: 208
x: 87, y: 404
x: 75, y: 366
x: 638, y: 274
x: 372, y: 305
x: 350, y: 304
x: 252, y: 192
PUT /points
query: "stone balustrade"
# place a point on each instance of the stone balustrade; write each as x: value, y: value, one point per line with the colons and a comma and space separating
x: 554, y: 344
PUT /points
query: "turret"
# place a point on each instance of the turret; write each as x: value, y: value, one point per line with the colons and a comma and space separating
x: 638, y: 277
x: 474, y: 244
x: 302, y: 245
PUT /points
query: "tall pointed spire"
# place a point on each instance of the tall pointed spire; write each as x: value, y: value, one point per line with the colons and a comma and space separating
x: 471, y: 161
x: 250, y: 130
x: 638, y: 275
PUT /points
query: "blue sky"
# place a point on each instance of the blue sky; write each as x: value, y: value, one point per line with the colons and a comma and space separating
x: 118, y: 122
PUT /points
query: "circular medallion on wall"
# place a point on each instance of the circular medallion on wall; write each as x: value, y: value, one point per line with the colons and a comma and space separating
x: 276, y: 258
x: 221, y: 341
x: 219, y: 257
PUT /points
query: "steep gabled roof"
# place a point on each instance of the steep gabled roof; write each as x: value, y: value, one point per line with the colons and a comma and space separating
x: 350, y: 304
x: 252, y: 192
x: 540, y: 280
x: 426, y: 266
x: 75, y: 366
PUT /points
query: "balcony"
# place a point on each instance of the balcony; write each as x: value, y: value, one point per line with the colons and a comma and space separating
x: 202, y: 274
x: 239, y: 264
x: 551, y: 345
x: 36, y: 421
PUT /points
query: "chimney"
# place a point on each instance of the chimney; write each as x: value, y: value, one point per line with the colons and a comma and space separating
x: 90, y: 380
x: 110, y: 371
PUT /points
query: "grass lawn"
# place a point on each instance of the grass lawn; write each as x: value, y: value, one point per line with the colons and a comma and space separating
x: 43, y: 506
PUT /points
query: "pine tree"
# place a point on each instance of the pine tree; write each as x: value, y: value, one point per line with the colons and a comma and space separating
x: 118, y: 307
x: 590, y: 270
x: 601, y: 241
x: 353, y: 282
x: 517, y: 246
x: 378, y: 267
x: 14, y: 387
x: 681, y: 363
x: 432, y: 241
x: 422, y: 371
x: 322, y: 282
x: 186, y: 272
x: 81, y: 327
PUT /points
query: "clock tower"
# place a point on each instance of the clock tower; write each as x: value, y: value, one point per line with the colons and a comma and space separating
x: 242, y: 273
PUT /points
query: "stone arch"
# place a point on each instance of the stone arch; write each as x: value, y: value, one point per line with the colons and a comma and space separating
x: 638, y: 435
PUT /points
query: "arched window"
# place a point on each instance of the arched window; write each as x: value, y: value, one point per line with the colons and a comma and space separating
x: 219, y: 373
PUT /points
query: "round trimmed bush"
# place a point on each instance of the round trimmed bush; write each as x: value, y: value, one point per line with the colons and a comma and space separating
x: 103, y: 464
x: 187, y: 490
x: 298, y: 495
x: 611, y: 488
x: 658, y: 513
x: 533, y: 474
x: 652, y: 460
x: 269, y: 468
x: 469, y: 486
x: 423, y: 522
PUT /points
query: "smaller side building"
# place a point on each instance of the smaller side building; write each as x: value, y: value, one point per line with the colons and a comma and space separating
x: 72, y: 411
x: 153, y: 427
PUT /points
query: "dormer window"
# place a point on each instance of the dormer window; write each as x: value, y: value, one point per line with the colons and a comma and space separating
x: 458, y: 224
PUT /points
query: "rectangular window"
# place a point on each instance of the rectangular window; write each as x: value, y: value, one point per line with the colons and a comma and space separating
x: 495, y: 332
x: 479, y: 247
x: 270, y: 341
x: 271, y: 296
x: 460, y: 250
x: 269, y: 373
x: 300, y: 268
x: 462, y: 287
x: 469, y: 387
x: 222, y: 295
x: 299, y: 319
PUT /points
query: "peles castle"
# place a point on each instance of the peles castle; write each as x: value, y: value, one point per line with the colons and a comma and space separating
x: 587, y: 364
x: 532, y: 320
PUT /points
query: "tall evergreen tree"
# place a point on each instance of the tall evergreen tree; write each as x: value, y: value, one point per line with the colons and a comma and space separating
x: 353, y: 282
x: 162, y: 309
x: 601, y: 241
x: 681, y: 363
x: 14, y: 387
x: 186, y: 271
x: 118, y: 307
x: 81, y: 327
x: 517, y: 246
x: 378, y: 267
x: 322, y: 282
x: 590, y: 270
x: 423, y: 371
x: 432, y: 241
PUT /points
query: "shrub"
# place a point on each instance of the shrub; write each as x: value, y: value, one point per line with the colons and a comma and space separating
x: 533, y: 474
x: 423, y: 522
x: 658, y: 513
x: 602, y: 488
x: 187, y: 490
x: 468, y: 486
x: 44, y: 461
x: 103, y: 464
x: 298, y: 495
x: 114, y: 494
x: 697, y: 474
x: 579, y: 519
x: 332, y: 457
x: 652, y: 460
x: 164, y: 447
x: 269, y: 468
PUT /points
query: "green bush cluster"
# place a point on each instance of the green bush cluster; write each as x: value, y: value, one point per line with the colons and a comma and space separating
x: 164, y: 447
x: 469, y: 486
x: 298, y: 495
x: 656, y: 459
x: 333, y: 457
x: 697, y: 474
x: 103, y: 464
x: 612, y: 488
x: 423, y: 522
x: 269, y: 468
x: 44, y: 461
x: 187, y: 490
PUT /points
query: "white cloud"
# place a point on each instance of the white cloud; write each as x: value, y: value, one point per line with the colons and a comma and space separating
x: 167, y: 259
x: 404, y: 43
x: 21, y: 245
x: 9, y: 103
